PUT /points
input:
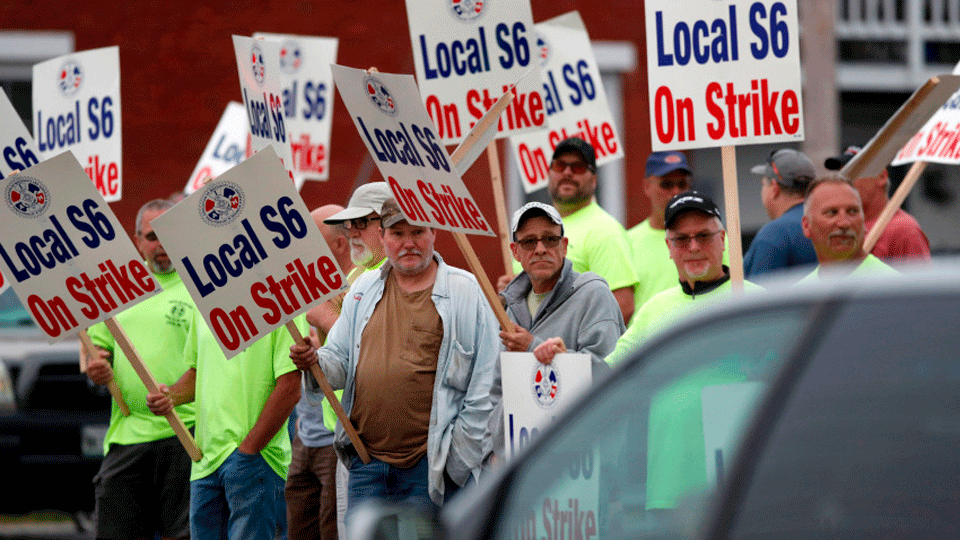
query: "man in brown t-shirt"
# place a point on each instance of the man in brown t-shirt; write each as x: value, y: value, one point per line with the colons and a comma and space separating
x: 414, y: 350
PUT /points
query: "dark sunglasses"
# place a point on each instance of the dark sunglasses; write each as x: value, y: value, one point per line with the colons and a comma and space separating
x: 359, y: 223
x: 578, y: 167
x: 549, y: 242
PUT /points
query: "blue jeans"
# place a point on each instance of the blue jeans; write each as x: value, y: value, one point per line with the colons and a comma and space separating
x: 379, y: 480
x: 241, y: 500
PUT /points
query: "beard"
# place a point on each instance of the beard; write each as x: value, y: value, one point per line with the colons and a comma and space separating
x: 160, y: 267
x: 360, y: 254
x: 412, y: 270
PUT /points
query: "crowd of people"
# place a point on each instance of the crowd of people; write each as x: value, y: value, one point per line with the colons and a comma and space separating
x: 413, y: 346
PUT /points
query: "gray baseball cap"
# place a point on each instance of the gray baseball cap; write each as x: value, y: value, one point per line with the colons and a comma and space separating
x: 532, y: 209
x: 367, y: 199
x: 789, y: 168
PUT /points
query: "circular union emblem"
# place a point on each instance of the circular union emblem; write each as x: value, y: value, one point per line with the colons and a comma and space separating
x: 27, y: 196
x: 467, y: 10
x: 291, y: 57
x: 544, y: 47
x: 257, y: 65
x: 221, y: 203
x: 380, y: 95
x: 545, y: 384
x: 70, y: 78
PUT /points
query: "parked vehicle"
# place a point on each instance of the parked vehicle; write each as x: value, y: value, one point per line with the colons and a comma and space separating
x: 831, y: 411
x: 52, y: 420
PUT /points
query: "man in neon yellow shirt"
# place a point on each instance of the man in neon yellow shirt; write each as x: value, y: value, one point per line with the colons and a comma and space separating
x: 597, y: 241
x: 696, y: 243
x: 242, y: 407
x: 833, y: 221
x: 143, y: 486
x: 667, y: 173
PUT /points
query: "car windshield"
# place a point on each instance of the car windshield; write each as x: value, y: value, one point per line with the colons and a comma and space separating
x: 12, y: 312
x: 638, y: 460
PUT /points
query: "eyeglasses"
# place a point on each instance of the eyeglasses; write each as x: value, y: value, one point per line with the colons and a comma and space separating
x: 549, y: 242
x: 683, y: 241
x: 578, y: 167
x: 359, y: 223
x: 667, y: 184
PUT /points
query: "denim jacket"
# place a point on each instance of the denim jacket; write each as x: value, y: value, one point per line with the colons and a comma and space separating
x: 461, y: 393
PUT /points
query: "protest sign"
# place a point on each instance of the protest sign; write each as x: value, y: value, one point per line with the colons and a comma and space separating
x: 723, y: 74
x: 468, y: 53
x: 76, y: 107
x: 248, y: 252
x: 725, y: 410
x: 64, y: 252
x: 4, y: 284
x: 17, y: 149
x: 575, y: 101
x: 258, y: 64
x: 307, y: 99
x: 938, y: 141
x: 226, y: 148
x: 400, y: 136
x: 533, y: 393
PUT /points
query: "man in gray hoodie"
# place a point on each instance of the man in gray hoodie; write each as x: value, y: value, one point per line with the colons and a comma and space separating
x: 555, y: 309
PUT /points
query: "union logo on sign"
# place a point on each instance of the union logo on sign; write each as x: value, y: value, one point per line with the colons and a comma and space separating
x: 27, y: 196
x: 467, y: 10
x: 257, y: 65
x: 379, y: 94
x: 221, y: 203
x: 546, y: 384
x: 544, y: 47
x: 70, y: 78
x: 291, y: 57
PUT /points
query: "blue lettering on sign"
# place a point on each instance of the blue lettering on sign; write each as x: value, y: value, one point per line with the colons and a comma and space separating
x: 258, y: 113
x: 19, y: 150
x: 231, y: 154
x: 60, y: 131
x: 315, y: 95
x: 101, y: 118
x: 580, y: 82
x: 229, y: 260
x: 513, y: 43
x: 459, y: 57
x: 778, y: 37
x: 718, y: 44
x: 398, y: 146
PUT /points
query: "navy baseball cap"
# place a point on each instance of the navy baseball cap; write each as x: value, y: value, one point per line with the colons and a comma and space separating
x: 664, y: 163
x: 688, y: 200
x: 580, y: 146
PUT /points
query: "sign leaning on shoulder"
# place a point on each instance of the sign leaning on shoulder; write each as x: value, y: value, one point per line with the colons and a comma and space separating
x: 724, y: 74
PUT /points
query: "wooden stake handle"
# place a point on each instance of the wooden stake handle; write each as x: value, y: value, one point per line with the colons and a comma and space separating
x: 112, y: 385
x: 492, y: 298
x: 893, y: 205
x: 332, y: 398
x: 500, y: 204
x: 186, y: 439
x: 731, y: 198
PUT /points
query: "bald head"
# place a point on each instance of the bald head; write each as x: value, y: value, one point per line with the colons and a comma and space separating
x: 334, y: 235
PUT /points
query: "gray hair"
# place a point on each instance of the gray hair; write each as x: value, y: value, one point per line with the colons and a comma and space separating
x: 157, y: 205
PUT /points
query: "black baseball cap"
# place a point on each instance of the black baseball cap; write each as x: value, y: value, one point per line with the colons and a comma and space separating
x: 688, y: 200
x: 580, y: 146
x: 837, y: 163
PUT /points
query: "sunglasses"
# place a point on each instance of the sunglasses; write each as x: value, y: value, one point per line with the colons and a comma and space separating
x: 359, y: 223
x: 578, y: 167
x: 530, y: 244
x: 684, y: 241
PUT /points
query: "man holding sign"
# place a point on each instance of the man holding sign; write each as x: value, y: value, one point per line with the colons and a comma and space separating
x: 423, y: 330
x: 598, y: 242
x: 555, y: 309
x: 143, y: 486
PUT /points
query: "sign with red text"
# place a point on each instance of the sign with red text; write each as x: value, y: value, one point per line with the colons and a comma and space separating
x: 576, y: 103
x: 938, y: 141
x: 4, y: 284
x: 402, y: 140
x: 307, y: 99
x: 724, y: 74
x: 17, y: 149
x: 467, y: 54
x: 226, y: 148
x: 248, y: 252
x: 258, y: 63
x: 76, y: 107
x: 64, y: 252
x: 533, y: 394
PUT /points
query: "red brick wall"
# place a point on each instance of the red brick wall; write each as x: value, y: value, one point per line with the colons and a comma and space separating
x: 178, y: 73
